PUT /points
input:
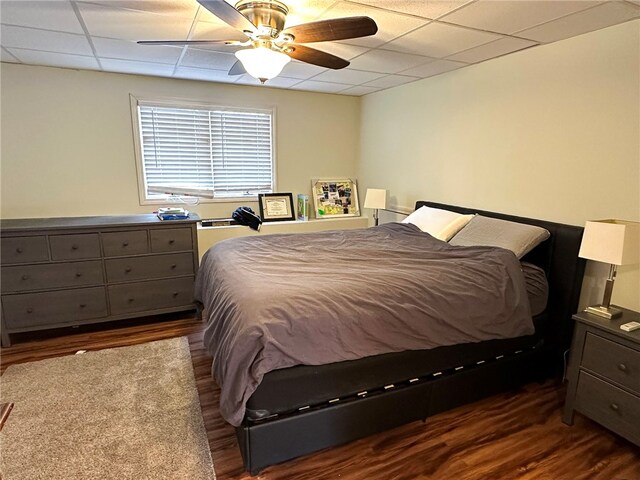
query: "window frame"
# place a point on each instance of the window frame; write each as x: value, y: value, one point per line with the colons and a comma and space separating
x: 136, y: 101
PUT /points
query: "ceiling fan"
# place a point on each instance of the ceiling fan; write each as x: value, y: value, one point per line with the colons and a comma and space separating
x: 271, y: 46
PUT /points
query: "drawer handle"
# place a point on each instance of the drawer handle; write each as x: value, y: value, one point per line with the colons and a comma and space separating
x: 614, y: 407
x: 131, y: 300
x: 82, y: 305
x: 622, y: 367
x: 18, y: 250
x: 173, y: 266
x: 25, y: 277
x: 171, y: 242
x: 127, y: 270
x: 78, y: 274
x: 175, y: 294
x: 29, y: 310
x: 74, y: 247
x: 125, y: 244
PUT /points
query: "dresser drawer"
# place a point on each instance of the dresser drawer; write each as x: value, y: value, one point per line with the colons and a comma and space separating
x: 125, y: 243
x: 613, y: 361
x: 24, y: 250
x: 54, y: 275
x: 157, y: 294
x: 171, y: 239
x: 51, y: 308
x: 156, y: 266
x: 75, y: 247
x: 609, y: 405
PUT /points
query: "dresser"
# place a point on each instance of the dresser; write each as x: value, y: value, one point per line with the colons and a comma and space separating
x: 59, y: 272
x: 604, y: 374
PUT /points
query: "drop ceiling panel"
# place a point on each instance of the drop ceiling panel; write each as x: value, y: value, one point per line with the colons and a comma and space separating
x: 385, y: 61
x: 47, y: 15
x: 7, y: 56
x: 34, y: 57
x: 295, y: 69
x: 359, y: 90
x: 513, y: 16
x: 326, y: 87
x: 173, y: 8
x: 203, y: 74
x: 391, y: 81
x: 390, y: 24
x: 208, y: 59
x: 431, y: 9
x: 44, y: 40
x: 143, y: 68
x: 434, y: 68
x: 303, y: 11
x: 215, y: 31
x: 492, y: 50
x: 123, y: 24
x: 440, y: 40
x: 595, y: 18
x: 130, y: 50
x: 347, y: 75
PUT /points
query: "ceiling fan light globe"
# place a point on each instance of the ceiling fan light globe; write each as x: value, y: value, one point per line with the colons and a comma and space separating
x: 262, y: 63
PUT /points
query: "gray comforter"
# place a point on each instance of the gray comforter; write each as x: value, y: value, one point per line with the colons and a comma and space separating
x: 275, y: 301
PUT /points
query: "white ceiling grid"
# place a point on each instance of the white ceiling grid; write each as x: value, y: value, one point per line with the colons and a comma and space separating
x: 416, y: 38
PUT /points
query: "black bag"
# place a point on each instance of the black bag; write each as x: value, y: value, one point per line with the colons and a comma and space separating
x: 246, y: 216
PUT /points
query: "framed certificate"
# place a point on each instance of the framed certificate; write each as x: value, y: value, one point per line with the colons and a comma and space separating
x: 276, y: 207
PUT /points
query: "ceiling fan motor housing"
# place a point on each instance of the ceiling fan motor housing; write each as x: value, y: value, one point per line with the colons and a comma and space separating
x: 270, y: 14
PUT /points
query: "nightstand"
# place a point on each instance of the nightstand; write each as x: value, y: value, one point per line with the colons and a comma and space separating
x: 604, y: 374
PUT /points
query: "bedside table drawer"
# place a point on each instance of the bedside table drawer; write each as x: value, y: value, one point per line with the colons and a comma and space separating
x: 613, y: 361
x: 610, y: 406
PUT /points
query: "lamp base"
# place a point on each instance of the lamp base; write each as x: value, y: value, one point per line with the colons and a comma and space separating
x: 609, y: 313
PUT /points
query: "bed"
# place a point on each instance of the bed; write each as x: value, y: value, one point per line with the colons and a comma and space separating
x: 299, y: 384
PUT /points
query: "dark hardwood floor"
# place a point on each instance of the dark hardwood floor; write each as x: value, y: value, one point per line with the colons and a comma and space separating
x: 516, y: 435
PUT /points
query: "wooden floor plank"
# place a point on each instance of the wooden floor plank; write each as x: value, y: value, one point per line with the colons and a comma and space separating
x: 515, y: 435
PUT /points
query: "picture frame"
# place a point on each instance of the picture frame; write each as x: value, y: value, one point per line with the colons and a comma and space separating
x: 276, y: 207
x: 335, y: 197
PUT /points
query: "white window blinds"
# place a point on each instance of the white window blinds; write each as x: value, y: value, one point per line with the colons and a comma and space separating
x: 217, y: 152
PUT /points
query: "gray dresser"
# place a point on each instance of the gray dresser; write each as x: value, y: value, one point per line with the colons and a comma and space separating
x: 604, y: 374
x: 59, y: 272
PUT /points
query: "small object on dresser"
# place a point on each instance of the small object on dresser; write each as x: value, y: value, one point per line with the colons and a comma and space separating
x: 303, y: 207
x: 630, y: 327
x: 173, y: 213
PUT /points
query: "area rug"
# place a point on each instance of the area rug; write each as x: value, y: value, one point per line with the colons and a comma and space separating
x: 120, y: 413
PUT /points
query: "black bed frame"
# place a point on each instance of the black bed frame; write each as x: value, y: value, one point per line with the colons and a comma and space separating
x: 284, y: 437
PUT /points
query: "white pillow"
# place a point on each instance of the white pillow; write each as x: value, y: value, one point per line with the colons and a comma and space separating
x: 441, y: 224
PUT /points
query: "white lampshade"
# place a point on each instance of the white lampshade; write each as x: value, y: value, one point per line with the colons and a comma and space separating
x: 262, y: 63
x: 616, y: 242
x: 375, y: 198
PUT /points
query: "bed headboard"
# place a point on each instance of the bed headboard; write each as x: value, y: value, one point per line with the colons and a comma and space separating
x: 558, y: 256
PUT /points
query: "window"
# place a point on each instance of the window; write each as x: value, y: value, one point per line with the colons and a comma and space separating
x: 211, y: 152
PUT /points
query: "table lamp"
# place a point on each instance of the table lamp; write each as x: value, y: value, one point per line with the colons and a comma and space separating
x: 376, y: 198
x: 615, y: 242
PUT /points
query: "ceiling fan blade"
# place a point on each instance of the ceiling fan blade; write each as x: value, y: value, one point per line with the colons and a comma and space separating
x: 316, y: 57
x: 334, y: 29
x: 228, y: 14
x: 190, y: 42
x: 237, y: 69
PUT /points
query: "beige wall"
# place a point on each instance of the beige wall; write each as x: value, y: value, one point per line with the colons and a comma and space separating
x: 552, y: 132
x: 67, y: 145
